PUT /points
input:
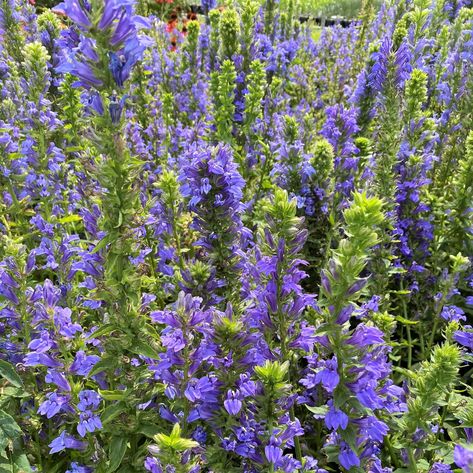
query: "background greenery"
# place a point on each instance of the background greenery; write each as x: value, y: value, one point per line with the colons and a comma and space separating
x: 314, y: 8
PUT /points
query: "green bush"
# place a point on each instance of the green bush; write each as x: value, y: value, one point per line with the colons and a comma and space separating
x: 328, y: 8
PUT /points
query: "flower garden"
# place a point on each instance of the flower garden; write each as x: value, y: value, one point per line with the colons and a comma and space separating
x: 232, y: 242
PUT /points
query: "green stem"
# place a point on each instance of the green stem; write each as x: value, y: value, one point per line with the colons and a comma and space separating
x: 412, y: 460
x: 408, y: 329
x: 392, y: 453
x: 283, y: 338
x: 409, y: 350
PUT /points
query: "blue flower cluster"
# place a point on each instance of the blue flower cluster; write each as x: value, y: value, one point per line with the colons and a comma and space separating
x: 236, y: 242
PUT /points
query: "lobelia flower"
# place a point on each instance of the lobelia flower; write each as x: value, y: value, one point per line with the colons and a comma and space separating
x: 58, y: 378
x: 348, y: 457
x: 116, y: 108
x: 88, y: 422
x: 464, y: 338
x: 54, y: 404
x: 77, y: 468
x: 273, y: 454
x: 452, y: 313
x: 66, y: 441
x: 438, y: 467
x: 232, y: 404
x: 89, y: 401
x: 121, y: 63
x: 463, y: 457
x: 83, y: 363
x: 214, y: 185
x: 181, y: 367
x: 121, y: 27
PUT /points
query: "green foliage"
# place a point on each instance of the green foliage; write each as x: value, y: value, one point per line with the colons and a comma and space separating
x: 71, y: 107
x: 322, y: 162
x: 282, y: 215
x: 191, y: 46
x: 229, y: 31
x: 256, y: 90
x: 8, y: 372
x: 416, y: 94
x: 170, y: 450
x: 431, y: 400
x: 13, y: 458
x: 223, y: 93
x: 35, y: 66
x: 460, y: 220
x: 350, y: 258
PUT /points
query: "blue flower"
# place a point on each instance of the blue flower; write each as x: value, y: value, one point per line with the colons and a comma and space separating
x: 88, y: 422
x: 463, y: 457
x: 273, y: 454
x: 74, y: 10
x: 116, y: 108
x: 438, y: 467
x: 464, y: 338
x: 347, y: 457
x: 328, y: 376
x: 76, y: 468
x: 452, y: 313
x: 66, y: 441
x: 54, y: 404
x: 232, y: 404
x: 335, y: 418
x: 82, y: 70
x: 83, y: 363
x: 58, y: 379
x: 88, y: 399
x: 122, y: 63
x: 41, y: 359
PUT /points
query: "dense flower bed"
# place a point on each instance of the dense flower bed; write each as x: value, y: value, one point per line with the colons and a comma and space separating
x: 236, y: 249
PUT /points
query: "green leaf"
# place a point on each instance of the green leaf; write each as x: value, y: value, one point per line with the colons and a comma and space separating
x: 102, y: 365
x: 174, y: 441
x: 150, y: 430
x: 74, y: 149
x: 5, y: 465
x: 111, y: 412
x: 8, y: 372
x: 9, y: 429
x: 117, y: 451
x: 319, y: 411
x: 105, y: 329
x: 113, y: 395
x: 101, y: 244
x: 70, y: 219
x: 19, y: 459
x: 126, y: 469
x: 141, y: 348
x: 11, y: 391
x: 404, y: 321
x: 120, y: 220
x: 423, y: 464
